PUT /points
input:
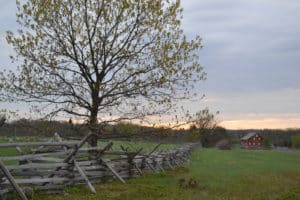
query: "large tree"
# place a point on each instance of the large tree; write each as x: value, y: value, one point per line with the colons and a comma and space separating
x: 93, y: 58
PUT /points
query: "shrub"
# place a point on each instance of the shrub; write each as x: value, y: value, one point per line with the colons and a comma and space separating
x: 266, y: 143
x: 210, y: 138
x: 193, y: 136
x: 295, y: 141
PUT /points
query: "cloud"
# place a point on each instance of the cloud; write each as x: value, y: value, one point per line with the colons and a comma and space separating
x: 232, y: 104
x: 248, y: 45
x: 252, y: 107
x: 269, y: 123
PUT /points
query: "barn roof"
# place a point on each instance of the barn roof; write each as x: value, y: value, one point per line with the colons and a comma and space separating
x: 249, y: 135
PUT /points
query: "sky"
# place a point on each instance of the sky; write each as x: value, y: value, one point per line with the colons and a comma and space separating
x: 251, y: 55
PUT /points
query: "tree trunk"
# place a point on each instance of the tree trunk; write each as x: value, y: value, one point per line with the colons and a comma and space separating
x: 94, y: 129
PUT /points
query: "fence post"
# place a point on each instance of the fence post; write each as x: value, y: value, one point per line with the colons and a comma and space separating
x: 12, y: 181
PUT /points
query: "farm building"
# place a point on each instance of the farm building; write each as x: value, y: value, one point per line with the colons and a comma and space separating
x: 252, y: 140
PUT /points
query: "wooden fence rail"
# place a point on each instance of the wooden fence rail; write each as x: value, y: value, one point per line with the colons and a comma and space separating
x: 71, y: 164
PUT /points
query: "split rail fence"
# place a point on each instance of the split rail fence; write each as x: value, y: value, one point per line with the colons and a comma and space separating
x: 52, y: 166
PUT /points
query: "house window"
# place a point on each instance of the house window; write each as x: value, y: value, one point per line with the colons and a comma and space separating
x: 253, y: 138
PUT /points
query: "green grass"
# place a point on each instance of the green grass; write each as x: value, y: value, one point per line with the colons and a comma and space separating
x: 10, y: 151
x: 134, y: 146
x: 235, y: 174
x: 226, y: 166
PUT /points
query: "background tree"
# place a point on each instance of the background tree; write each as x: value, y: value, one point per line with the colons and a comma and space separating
x: 95, y: 58
x: 204, y: 128
x: 203, y: 121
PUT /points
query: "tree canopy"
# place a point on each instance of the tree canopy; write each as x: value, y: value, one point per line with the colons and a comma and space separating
x: 99, y: 58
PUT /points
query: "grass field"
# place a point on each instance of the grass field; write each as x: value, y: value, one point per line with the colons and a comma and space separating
x: 7, y: 151
x: 235, y: 174
x: 133, y: 146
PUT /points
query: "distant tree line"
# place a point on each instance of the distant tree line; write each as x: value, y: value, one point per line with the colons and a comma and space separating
x: 208, y: 136
x: 25, y: 127
x: 68, y: 129
x: 128, y: 131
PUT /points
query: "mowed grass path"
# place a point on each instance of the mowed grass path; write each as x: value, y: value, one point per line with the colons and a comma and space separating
x: 234, y: 174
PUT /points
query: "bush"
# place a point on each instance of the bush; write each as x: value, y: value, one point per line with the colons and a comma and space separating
x: 210, y: 138
x: 266, y: 143
x: 193, y: 136
x: 295, y: 141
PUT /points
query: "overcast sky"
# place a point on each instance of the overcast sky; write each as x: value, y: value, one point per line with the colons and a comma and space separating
x: 251, y: 54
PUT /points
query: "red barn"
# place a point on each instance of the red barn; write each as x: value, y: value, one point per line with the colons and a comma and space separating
x: 252, y: 141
